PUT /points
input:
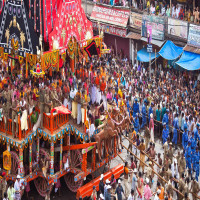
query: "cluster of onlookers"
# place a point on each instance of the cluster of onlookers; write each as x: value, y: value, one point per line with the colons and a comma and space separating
x: 161, y: 8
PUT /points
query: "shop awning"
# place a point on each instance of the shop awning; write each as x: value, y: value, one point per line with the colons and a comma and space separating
x: 170, y: 51
x: 110, y: 15
x: 155, y: 42
x: 135, y: 36
x: 189, y: 61
x: 143, y: 55
x: 191, y: 49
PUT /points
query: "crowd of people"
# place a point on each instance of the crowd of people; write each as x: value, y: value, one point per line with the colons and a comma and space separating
x: 164, y: 104
x: 10, y: 190
x: 161, y: 8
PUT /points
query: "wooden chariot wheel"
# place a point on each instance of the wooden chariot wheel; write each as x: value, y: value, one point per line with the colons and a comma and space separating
x: 41, y: 183
x: 75, y: 168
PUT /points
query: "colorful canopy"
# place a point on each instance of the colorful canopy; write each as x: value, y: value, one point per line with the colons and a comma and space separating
x: 17, y: 31
x: 189, y: 61
x: 71, y: 22
x: 61, y: 109
x: 170, y: 51
x: 143, y: 55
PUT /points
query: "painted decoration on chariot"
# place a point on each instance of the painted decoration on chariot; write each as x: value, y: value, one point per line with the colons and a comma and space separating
x: 37, y: 72
x: 7, y: 160
x: 16, y: 29
x: 71, y: 22
x: 50, y: 59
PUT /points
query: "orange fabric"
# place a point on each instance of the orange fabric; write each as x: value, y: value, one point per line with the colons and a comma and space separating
x: 133, y: 135
x: 97, y: 80
x: 103, y: 74
x: 161, y: 195
x: 103, y: 86
x: 4, y: 81
x: 60, y: 82
x: 86, y: 74
x: 77, y: 72
x: 126, y: 170
x: 81, y: 72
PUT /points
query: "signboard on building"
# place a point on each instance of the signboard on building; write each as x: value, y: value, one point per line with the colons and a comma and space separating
x: 110, y: 29
x: 136, y: 20
x: 157, y: 24
x: 109, y: 15
x: 178, y: 28
x: 149, y: 48
x: 194, y: 35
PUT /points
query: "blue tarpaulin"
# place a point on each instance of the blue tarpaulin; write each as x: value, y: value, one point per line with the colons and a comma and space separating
x: 170, y: 51
x: 143, y: 55
x: 189, y: 61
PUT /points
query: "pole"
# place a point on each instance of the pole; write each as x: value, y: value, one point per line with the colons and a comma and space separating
x: 52, y: 158
x: 150, y: 65
x: 152, y: 170
x: 155, y: 62
x: 143, y: 152
x: 30, y: 158
x: 170, y: 8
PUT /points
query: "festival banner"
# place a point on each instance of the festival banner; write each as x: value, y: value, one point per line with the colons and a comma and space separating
x: 194, y: 35
x: 109, y: 15
x: 178, y: 28
x: 157, y: 24
x: 149, y: 34
x: 136, y: 20
x: 110, y: 29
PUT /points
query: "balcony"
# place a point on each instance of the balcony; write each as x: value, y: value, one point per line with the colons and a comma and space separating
x: 52, y: 122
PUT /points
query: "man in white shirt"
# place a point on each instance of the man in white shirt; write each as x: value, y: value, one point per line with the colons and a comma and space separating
x: 177, y: 10
x: 131, y: 196
x: 157, y: 195
x: 17, y: 187
x: 173, y: 11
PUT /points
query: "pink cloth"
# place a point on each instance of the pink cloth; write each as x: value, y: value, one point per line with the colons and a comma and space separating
x: 109, y: 96
x: 151, y: 124
x: 147, y: 192
x: 70, y: 80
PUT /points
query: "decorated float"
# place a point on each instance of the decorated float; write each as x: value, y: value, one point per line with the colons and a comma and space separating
x: 59, y: 149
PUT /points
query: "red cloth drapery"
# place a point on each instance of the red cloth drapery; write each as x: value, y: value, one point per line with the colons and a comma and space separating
x: 71, y: 21
x: 50, y: 10
x: 61, y: 109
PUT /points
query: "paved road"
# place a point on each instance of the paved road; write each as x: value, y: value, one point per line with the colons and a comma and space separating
x: 158, y: 148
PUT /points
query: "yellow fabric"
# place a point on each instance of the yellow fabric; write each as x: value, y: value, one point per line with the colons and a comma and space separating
x: 120, y: 93
x: 35, y: 91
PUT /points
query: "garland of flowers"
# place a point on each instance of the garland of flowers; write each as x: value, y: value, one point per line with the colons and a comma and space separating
x: 55, y: 59
x: 63, y: 57
x: 50, y: 59
x: 1, y: 52
x: 5, y: 58
x: 31, y: 60
x: 71, y: 48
